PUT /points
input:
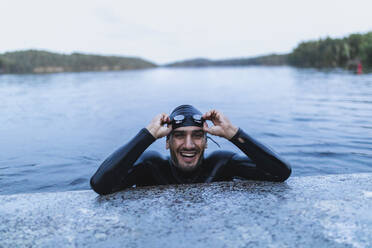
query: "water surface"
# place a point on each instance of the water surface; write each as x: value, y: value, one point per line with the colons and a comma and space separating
x: 56, y: 129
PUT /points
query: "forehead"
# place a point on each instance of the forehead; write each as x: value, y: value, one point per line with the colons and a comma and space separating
x: 187, y: 129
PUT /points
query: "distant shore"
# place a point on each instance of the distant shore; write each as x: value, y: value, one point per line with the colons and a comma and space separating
x: 272, y: 59
x: 348, y: 53
x: 37, y: 61
x: 352, y: 53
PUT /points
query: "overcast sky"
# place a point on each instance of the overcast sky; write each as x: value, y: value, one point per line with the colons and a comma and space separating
x: 170, y: 30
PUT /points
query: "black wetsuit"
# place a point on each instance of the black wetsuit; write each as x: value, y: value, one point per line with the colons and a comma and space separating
x: 130, y: 165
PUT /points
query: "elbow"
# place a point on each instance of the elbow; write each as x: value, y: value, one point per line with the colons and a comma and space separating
x: 285, y: 174
x: 97, y: 187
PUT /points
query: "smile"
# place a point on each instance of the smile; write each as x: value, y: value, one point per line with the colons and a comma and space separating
x: 188, y: 154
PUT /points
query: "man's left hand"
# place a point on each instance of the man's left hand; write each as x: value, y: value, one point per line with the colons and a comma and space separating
x: 221, y: 124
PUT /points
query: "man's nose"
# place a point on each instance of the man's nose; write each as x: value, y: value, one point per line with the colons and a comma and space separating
x: 189, y: 143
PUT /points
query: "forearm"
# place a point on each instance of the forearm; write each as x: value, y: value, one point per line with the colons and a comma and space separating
x: 117, y: 166
x: 265, y: 159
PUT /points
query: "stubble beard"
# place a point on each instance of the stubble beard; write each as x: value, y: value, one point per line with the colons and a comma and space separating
x: 186, y: 168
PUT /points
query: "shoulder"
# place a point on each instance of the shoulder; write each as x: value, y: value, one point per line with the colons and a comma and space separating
x: 226, y: 157
x: 154, y: 163
x: 220, y: 156
x: 150, y: 156
x: 218, y: 164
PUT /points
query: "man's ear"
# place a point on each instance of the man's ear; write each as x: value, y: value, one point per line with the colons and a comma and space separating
x: 167, y: 144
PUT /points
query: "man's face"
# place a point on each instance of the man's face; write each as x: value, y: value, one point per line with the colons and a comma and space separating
x: 187, y: 146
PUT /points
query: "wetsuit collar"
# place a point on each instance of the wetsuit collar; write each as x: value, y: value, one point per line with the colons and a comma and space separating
x: 186, y: 177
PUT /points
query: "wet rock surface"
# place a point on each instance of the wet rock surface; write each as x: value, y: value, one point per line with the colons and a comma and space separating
x: 321, y: 211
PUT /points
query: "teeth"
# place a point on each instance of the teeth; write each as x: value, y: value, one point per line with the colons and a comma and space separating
x: 185, y: 154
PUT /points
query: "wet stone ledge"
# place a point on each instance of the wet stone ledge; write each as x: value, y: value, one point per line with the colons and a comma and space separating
x: 320, y: 211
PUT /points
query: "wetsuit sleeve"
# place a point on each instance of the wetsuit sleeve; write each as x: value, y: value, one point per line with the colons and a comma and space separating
x: 261, y: 163
x: 112, y: 172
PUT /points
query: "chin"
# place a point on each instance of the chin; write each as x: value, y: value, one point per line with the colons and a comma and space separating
x: 188, y: 167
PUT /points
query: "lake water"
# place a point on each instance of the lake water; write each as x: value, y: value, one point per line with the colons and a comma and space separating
x: 56, y: 129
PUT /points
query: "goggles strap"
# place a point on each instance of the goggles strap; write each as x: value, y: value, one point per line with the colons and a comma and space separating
x: 209, y: 137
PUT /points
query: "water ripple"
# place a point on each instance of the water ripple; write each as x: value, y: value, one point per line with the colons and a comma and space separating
x: 57, y: 128
x: 78, y: 181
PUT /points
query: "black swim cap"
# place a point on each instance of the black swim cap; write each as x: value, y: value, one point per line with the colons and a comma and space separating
x: 192, y: 117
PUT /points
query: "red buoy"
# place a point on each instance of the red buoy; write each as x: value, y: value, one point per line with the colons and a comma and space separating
x: 360, y: 69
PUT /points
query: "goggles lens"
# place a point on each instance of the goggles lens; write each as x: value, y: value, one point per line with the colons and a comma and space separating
x: 197, y: 118
x: 178, y: 119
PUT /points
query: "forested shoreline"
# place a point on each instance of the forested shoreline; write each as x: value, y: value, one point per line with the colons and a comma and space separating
x: 325, y: 53
x: 344, y: 53
x: 37, y: 61
x: 271, y: 59
x: 347, y: 53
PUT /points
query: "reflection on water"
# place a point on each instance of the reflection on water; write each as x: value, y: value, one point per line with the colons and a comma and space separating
x: 57, y: 128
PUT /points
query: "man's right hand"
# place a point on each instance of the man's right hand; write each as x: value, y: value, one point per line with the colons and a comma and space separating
x: 160, y: 126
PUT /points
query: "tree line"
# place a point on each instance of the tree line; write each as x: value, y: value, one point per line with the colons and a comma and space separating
x: 344, y: 52
x: 271, y: 59
x: 36, y: 61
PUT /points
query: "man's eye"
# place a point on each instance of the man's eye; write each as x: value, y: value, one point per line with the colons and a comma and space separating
x: 198, y: 135
x: 178, y: 135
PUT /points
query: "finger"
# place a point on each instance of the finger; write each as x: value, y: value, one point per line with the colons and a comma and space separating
x: 216, y: 117
x: 205, y: 125
x: 164, y: 119
x: 211, y: 114
x: 207, y: 115
x: 216, y: 114
x: 168, y: 130
x: 206, y: 128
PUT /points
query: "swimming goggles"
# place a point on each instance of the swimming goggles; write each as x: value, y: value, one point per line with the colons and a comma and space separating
x: 178, y: 119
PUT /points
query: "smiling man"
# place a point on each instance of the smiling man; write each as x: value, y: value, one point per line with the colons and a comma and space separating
x: 185, y: 130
